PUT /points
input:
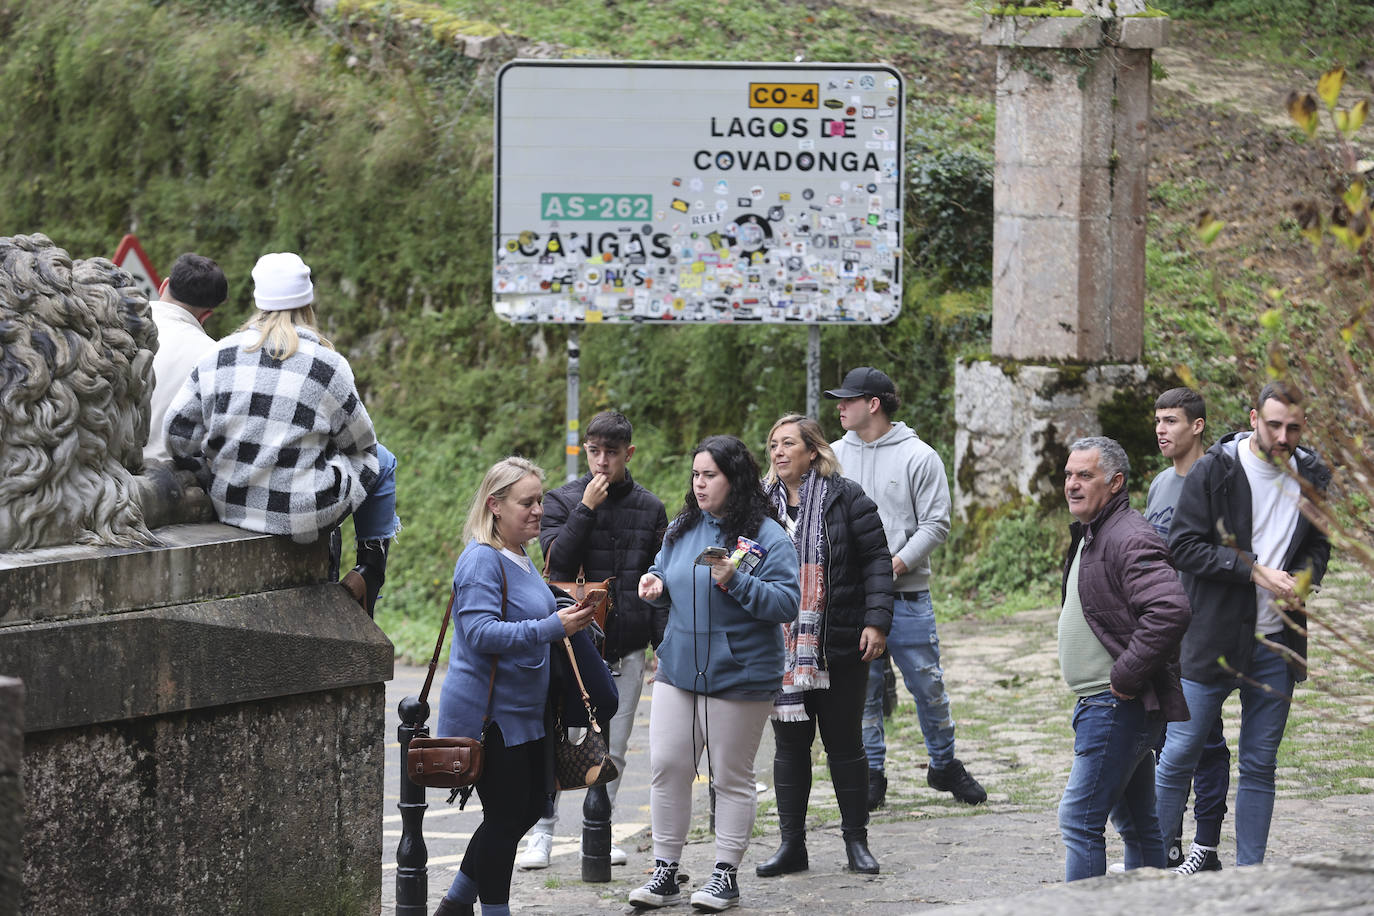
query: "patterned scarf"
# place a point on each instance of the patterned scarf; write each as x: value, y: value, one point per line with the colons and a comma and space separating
x: 802, y: 662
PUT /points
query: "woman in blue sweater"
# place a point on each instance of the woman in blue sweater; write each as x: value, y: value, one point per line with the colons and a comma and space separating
x: 719, y: 665
x: 514, y: 635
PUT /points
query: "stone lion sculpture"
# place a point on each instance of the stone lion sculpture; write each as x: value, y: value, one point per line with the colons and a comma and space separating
x: 76, y: 355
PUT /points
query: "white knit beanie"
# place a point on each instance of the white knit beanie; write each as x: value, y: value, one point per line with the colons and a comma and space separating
x: 281, y: 281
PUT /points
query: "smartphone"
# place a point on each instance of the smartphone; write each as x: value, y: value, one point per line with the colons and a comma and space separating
x: 712, y: 553
x: 594, y: 596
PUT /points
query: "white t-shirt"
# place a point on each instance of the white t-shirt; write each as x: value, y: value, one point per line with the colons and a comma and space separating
x: 1274, y: 496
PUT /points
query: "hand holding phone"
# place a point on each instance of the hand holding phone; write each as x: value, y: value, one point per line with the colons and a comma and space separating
x: 711, y: 554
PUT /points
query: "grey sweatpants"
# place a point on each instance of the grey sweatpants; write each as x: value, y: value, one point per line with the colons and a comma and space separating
x: 681, y: 725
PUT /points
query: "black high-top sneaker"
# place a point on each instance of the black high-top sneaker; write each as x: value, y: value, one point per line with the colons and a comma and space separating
x: 662, y: 889
x: 721, y: 890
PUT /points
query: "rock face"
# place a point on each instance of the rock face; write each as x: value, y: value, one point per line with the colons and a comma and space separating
x: 203, y: 727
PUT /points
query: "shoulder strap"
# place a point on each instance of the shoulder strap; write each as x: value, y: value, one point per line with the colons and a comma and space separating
x: 577, y: 673
x: 548, y: 563
x: 443, y: 629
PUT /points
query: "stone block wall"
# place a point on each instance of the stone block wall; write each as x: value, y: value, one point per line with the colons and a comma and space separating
x: 11, y: 794
x: 204, y: 727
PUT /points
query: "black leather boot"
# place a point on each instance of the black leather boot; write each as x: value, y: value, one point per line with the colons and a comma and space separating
x: 792, y: 783
x: 851, y: 791
x: 448, y: 908
x: 364, y: 581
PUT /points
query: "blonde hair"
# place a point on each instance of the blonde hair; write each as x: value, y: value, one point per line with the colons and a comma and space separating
x: 277, y: 330
x: 502, y: 475
x: 825, y: 464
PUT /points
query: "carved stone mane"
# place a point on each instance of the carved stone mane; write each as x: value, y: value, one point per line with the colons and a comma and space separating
x: 76, y: 356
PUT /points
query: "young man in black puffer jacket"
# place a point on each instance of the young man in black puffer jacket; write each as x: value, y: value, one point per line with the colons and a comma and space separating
x: 605, y: 525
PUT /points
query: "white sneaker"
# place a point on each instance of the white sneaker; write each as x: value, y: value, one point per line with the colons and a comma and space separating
x: 536, y: 854
x: 618, y: 855
x: 1116, y: 868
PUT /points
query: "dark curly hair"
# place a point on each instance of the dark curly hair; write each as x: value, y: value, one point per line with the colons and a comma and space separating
x: 747, y: 505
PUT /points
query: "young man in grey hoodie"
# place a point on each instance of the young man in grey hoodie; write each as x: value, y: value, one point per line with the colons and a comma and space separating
x: 906, y: 478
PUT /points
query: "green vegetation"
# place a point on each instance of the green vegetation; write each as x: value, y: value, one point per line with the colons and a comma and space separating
x: 364, y: 141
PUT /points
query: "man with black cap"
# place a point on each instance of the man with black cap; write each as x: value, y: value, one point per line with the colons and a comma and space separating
x: 906, y: 478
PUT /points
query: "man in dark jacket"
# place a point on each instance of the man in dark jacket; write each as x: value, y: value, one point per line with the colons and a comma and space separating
x: 605, y: 525
x: 1248, y: 557
x: 1124, y: 613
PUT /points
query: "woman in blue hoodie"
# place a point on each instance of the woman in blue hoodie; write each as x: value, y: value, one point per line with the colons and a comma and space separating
x: 719, y: 665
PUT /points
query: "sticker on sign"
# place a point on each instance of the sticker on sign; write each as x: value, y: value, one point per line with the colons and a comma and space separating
x: 698, y: 192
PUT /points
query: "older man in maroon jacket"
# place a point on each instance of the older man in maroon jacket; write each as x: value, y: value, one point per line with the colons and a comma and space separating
x: 1124, y: 614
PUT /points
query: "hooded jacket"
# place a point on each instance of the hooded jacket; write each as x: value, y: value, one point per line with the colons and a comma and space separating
x: 726, y: 643
x: 1211, y: 539
x: 619, y: 538
x: 1133, y: 603
x: 906, y: 479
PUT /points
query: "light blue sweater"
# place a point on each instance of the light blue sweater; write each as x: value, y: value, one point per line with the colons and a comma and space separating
x: 726, y: 644
x: 520, y: 644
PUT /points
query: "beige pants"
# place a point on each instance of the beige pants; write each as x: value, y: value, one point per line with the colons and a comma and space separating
x: 681, y: 725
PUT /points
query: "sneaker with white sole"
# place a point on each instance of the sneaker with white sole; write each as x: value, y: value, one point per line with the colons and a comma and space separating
x: 1199, y: 858
x: 618, y: 855
x: 537, y: 849
x: 661, y: 890
x: 1116, y: 868
x: 721, y: 890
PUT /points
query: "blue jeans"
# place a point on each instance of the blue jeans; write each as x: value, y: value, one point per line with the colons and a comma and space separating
x: 376, y: 519
x: 1113, y: 774
x: 1263, y: 718
x: 915, y: 649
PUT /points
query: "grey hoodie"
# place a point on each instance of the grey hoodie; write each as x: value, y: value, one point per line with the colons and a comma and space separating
x: 906, y: 478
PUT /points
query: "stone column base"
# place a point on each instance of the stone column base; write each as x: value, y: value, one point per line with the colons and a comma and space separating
x: 1017, y: 420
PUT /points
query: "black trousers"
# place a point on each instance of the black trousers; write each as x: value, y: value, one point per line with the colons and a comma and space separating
x: 513, y: 792
x: 838, y: 711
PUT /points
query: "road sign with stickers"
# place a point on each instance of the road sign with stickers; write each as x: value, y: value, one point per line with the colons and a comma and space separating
x: 698, y: 192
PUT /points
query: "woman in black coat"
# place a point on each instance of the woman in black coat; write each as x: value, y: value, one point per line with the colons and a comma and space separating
x: 845, y: 615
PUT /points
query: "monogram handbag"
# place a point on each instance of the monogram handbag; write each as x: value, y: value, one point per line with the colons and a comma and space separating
x: 588, y: 762
x: 449, y: 763
x: 579, y: 586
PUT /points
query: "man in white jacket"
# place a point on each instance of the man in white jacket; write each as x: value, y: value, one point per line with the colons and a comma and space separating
x: 195, y: 288
x: 906, y: 478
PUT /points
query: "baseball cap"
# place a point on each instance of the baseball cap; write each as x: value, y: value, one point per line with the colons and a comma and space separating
x: 863, y: 382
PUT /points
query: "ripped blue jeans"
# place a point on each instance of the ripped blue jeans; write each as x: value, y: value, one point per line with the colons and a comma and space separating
x: 915, y: 649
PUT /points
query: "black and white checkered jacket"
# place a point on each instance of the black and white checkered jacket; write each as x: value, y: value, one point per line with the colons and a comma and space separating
x: 281, y: 446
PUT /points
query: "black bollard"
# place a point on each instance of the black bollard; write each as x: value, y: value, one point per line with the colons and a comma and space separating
x: 412, y: 858
x: 596, y: 835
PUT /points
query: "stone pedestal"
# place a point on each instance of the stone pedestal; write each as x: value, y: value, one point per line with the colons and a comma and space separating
x: 1017, y: 422
x: 204, y: 727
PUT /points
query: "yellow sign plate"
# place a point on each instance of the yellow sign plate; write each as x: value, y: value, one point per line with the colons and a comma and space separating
x: 784, y: 95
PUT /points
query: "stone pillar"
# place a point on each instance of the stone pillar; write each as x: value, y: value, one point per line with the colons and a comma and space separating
x: 1069, y: 200
x: 11, y: 794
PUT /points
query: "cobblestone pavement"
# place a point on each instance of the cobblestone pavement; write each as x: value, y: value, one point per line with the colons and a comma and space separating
x: 1012, y: 711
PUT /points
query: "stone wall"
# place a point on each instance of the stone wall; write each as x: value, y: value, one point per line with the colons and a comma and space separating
x: 11, y: 793
x: 204, y: 727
